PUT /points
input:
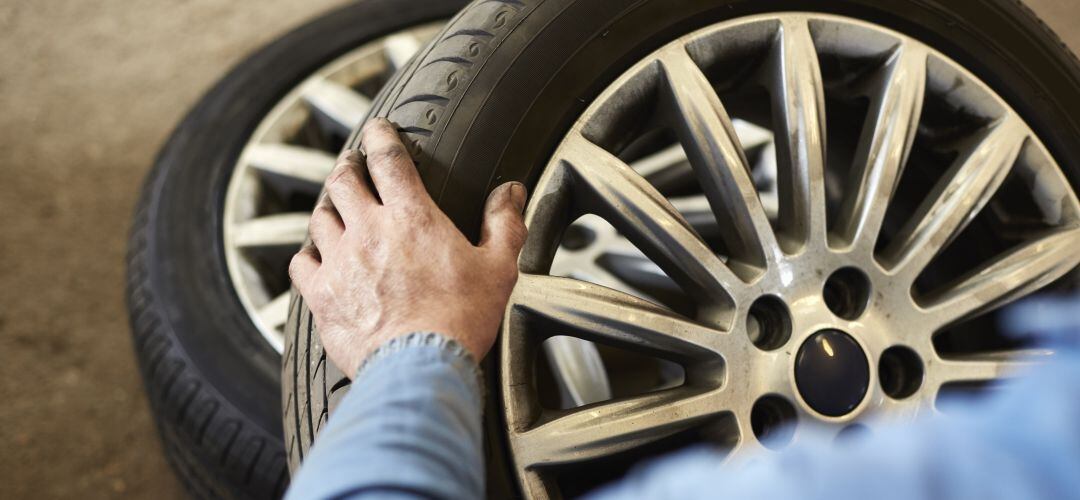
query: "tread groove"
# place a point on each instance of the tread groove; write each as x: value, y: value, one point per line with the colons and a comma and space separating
x: 429, y: 98
x: 469, y: 32
x: 449, y: 59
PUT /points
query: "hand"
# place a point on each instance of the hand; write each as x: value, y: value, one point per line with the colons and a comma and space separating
x: 382, y: 269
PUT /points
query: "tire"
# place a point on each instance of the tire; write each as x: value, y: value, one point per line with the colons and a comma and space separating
x: 488, y: 100
x: 211, y: 377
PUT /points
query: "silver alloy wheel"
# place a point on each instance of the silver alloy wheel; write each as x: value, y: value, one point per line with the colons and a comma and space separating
x: 577, y: 365
x: 279, y: 162
x: 766, y: 296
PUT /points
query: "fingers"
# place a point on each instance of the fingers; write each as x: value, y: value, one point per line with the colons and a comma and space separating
x: 303, y: 266
x: 388, y: 162
x: 504, y: 230
x: 325, y: 227
x: 347, y: 187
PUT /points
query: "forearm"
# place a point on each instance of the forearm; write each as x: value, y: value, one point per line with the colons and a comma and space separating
x: 409, y: 427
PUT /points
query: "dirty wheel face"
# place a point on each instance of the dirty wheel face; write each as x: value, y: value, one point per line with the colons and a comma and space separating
x: 791, y: 219
x: 278, y: 175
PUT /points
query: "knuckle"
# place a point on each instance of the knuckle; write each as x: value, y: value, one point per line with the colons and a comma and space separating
x: 341, y: 179
x: 339, y: 172
x: 517, y: 233
x: 387, y: 152
x: 295, y: 268
x: 323, y: 215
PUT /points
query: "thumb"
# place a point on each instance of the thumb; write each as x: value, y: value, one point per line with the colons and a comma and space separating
x: 504, y: 226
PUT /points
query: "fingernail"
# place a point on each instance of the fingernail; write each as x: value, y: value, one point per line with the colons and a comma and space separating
x: 517, y: 195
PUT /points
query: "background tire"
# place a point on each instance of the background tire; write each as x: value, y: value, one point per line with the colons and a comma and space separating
x: 488, y: 99
x: 212, y: 379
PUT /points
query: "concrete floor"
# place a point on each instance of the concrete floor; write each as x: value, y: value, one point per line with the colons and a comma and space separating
x: 89, y: 91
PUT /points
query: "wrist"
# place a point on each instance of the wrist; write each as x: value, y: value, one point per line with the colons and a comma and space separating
x: 441, y: 346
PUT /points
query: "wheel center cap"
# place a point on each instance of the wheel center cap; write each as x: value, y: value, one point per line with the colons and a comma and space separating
x: 831, y: 372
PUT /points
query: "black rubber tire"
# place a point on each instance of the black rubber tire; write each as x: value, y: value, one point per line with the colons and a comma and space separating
x: 212, y: 380
x: 487, y: 101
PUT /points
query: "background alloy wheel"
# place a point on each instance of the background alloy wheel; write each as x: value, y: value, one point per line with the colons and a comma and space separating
x: 923, y: 151
x: 219, y: 215
x: 279, y: 173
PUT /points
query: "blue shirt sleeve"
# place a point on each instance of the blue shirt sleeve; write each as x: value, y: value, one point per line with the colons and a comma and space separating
x: 409, y: 428
x: 1022, y: 442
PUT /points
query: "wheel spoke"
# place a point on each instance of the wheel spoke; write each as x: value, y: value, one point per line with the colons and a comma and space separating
x: 274, y: 313
x: 697, y: 212
x: 308, y: 167
x: 342, y: 106
x: 576, y: 363
x: 630, y: 259
x: 593, y: 273
x: 957, y: 198
x: 603, y: 429
x: 660, y: 162
x: 600, y: 314
x: 887, y: 134
x: 638, y: 211
x: 1009, y: 277
x: 635, y: 269
x: 713, y: 149
x: 750, y: 136
x: 288, y: 229
x: 766, y: 170
x: 400, y: 48
x: 579, y: 368
x: 799, y: 114
x: 985, y: 367
x: 691, y: 204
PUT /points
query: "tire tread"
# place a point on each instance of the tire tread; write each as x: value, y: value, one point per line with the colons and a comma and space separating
x: 419, y: 100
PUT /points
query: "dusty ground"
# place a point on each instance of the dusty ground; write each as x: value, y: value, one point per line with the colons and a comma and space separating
x: 88, y: 92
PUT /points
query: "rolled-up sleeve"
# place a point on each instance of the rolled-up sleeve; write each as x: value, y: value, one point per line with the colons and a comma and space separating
x: 409, y: 428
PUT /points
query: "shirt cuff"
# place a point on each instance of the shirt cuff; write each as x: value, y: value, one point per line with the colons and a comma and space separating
x: 461, y: 358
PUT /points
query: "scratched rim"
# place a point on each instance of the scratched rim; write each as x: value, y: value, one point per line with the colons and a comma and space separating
x: 866, y: 253
x: 281, y: 169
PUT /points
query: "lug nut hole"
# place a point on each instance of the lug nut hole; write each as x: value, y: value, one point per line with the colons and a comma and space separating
x: 846, y: 292
x: 768, y: 323
x: 773, y: 420
x: 900, y: 371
